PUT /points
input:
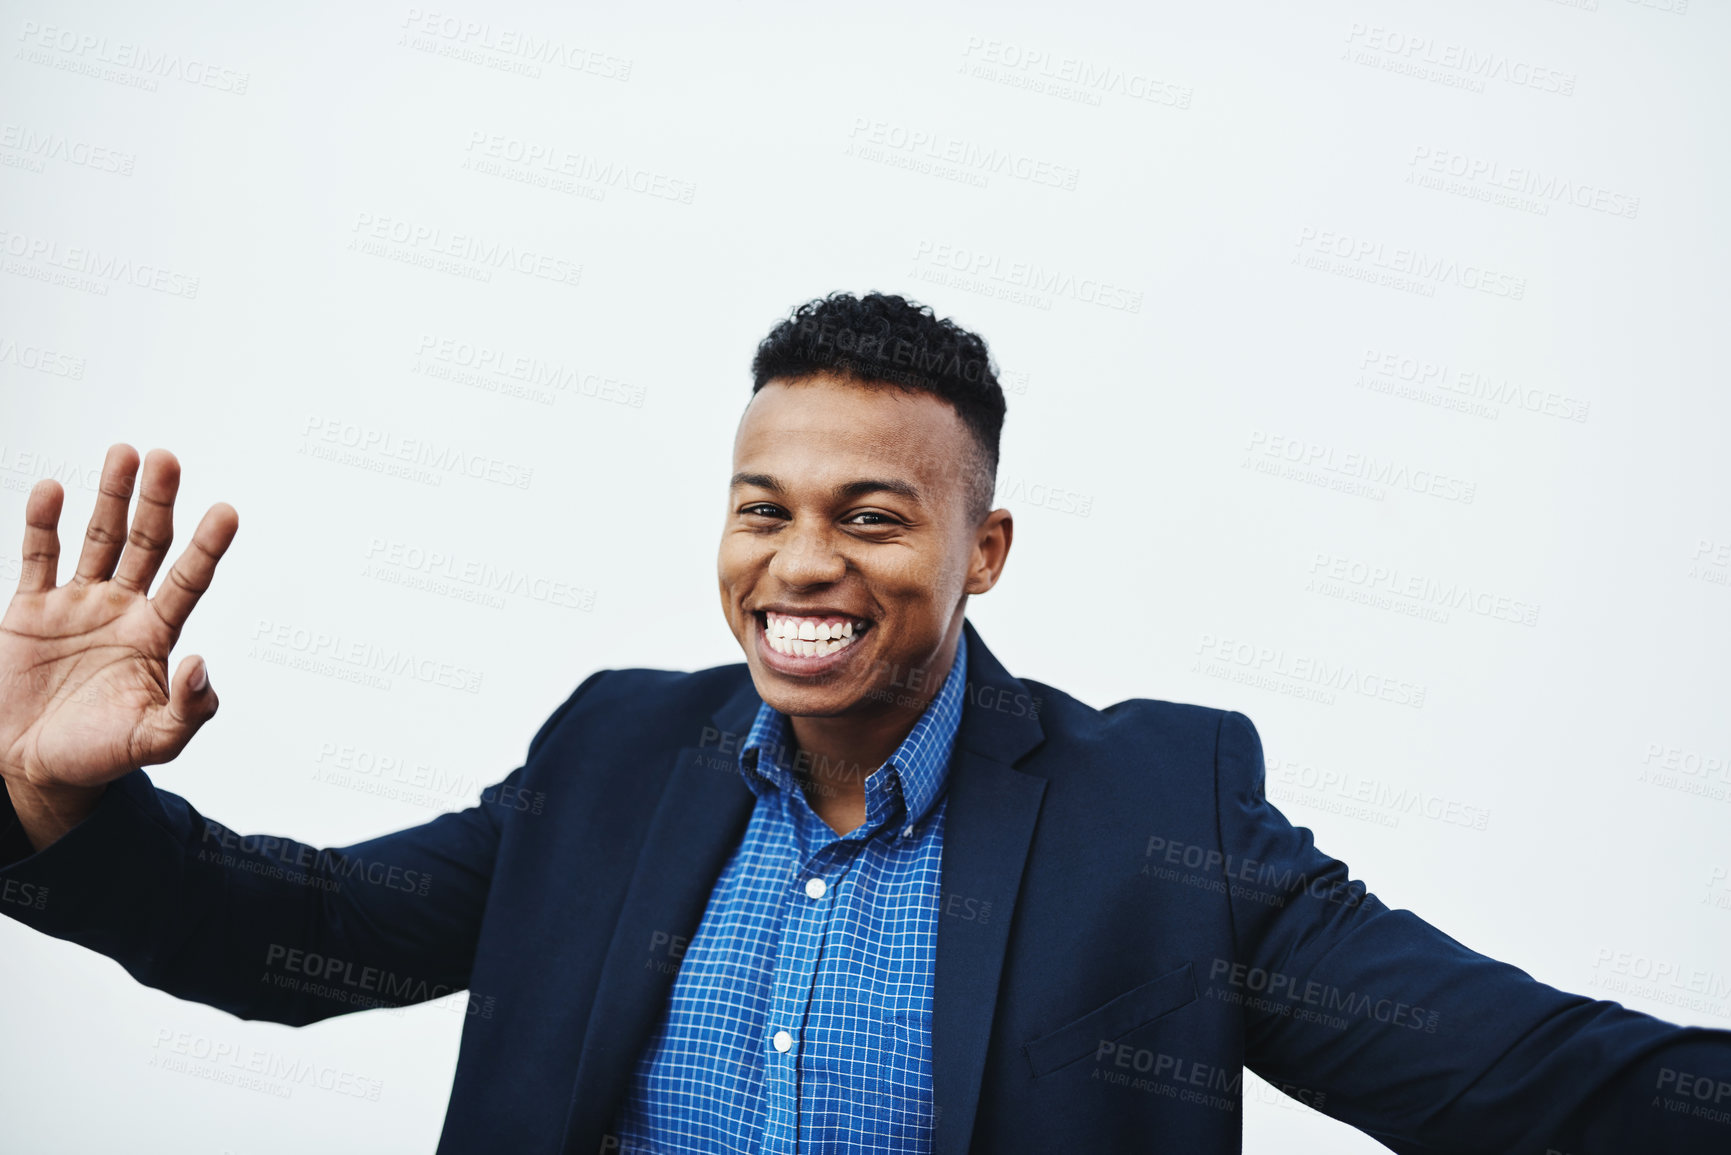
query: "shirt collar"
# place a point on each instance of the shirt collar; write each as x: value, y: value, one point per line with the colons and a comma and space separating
x: 916, y: 769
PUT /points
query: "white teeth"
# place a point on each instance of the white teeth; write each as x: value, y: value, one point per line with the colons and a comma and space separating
x: 803, y: 637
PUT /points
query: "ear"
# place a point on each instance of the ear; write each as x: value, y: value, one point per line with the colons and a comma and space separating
x: 991, y: 550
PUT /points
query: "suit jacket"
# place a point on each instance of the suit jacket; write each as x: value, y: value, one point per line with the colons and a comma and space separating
x: 1126, y: 924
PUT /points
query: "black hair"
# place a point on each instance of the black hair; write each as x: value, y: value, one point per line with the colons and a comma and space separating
x: 889, y: 340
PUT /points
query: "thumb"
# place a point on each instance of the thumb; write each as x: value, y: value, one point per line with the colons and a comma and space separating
x: 192, y: 702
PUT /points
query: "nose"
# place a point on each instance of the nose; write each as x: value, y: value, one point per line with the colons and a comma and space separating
x: 806, y: 556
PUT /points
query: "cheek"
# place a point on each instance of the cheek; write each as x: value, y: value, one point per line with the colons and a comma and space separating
x: 920, y: 576
x: 740, y: 570
x: 734, y: 560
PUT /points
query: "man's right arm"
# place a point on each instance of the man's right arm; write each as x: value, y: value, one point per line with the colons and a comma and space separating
x: 260, y: 926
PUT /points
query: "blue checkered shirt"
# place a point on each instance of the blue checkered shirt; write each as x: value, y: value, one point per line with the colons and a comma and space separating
x: 801, y: 1017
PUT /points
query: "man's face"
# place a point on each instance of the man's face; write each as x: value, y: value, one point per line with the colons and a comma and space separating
x: 848, y: 523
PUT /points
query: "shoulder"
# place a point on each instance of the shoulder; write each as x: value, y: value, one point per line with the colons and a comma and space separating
x: 1146, y: 731
x: 622, y: 704
x: 1133, y: 718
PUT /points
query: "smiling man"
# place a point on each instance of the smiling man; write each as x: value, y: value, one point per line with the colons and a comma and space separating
x: 865, y: 891
x: 859, y: 520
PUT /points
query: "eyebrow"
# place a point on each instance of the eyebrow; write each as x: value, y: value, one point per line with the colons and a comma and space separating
x: 846, y: 490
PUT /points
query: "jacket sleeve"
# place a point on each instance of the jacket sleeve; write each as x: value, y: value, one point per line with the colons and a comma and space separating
x: 1397, y: 1029
x: 260, y: 926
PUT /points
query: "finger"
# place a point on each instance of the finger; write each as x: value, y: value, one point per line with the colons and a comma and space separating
x: 152, y: 522
x: 191, y: 703
x: 107, y: 531
x: 190, y: 575
x: 41, y: 537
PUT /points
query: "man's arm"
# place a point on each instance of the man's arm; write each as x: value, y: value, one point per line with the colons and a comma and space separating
x: 1422, y: 1043
x: 92, y: 852
x: 259, y: 926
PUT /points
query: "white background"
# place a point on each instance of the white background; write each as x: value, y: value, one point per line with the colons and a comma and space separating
x: 1215, y: 152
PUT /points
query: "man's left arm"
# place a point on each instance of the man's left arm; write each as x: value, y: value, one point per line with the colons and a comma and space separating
x: 1422, y: 1043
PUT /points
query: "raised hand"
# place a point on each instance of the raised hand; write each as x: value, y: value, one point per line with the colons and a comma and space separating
x: 85, y: 695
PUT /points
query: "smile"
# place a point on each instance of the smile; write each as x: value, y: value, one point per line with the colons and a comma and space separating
x: 811, y: 637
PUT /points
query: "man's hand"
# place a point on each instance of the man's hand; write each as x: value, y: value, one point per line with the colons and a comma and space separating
x: 85, y: 695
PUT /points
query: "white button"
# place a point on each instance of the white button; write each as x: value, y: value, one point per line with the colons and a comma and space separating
x: 907, y: 830
x: 783, y: 1041
x: 814, y: 888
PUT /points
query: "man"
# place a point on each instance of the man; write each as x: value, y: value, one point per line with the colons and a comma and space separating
x: 864, y: 891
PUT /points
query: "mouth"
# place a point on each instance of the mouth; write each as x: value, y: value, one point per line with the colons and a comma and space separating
x: 808, y: 643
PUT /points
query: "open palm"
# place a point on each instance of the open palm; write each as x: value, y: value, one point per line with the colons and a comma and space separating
x: 85, y: 694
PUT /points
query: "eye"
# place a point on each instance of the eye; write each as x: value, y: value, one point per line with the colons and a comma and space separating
x: 882, y: 519
x: 763, y: 509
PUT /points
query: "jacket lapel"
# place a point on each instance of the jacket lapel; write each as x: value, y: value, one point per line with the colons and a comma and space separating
x: 988, y: 826
x: 700, y: 819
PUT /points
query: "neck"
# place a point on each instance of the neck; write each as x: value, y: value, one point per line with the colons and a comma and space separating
x: 837, y: 753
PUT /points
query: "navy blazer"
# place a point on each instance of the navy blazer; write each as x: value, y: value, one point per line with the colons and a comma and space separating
x: 1126, y: 925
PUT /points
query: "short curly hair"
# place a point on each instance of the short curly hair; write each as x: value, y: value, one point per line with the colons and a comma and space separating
x: 885, y: 339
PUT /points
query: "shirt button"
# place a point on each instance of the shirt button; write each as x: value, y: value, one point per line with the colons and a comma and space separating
x: 814, y: 888
x: 783, y: 1041
x: 907, y: 830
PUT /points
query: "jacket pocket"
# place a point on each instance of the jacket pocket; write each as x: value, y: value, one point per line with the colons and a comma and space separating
x: 1136, y: 1007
